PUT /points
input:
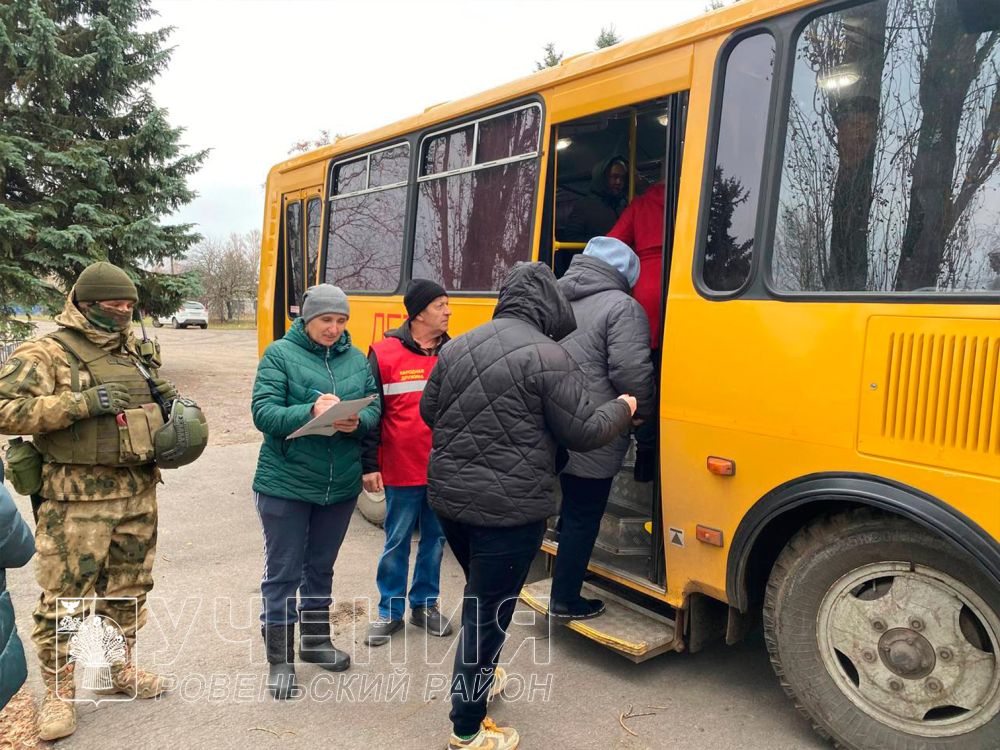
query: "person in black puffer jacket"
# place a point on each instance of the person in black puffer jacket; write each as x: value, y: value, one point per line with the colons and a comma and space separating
x: 500, y: 401
x: 611, y: 344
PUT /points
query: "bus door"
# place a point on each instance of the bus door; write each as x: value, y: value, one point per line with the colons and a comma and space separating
x: 644, y: 141
x: 302, y: 219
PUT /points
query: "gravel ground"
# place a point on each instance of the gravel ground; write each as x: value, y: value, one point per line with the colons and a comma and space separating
x: 568, y: 691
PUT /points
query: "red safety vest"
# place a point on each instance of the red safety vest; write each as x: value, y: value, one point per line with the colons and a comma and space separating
x: 406, y: 438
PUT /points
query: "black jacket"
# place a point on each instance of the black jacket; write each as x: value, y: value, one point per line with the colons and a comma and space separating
x: 371, y: 441
x: 595, y: 214
x: 501, y: 399
x: 611, y: 345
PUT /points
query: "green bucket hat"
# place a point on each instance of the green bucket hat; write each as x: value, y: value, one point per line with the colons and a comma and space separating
x: 103, y: 281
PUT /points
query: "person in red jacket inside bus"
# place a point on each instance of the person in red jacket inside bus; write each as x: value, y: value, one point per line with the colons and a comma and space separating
x: 395, y: 459
x: 641, y: 227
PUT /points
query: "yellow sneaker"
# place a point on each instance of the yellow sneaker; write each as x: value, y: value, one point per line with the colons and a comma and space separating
x: 499, y: 683
x: 489, y: 737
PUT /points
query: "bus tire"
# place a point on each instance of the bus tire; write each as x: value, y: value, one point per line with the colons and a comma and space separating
x: 372, y: 507
x: 885, y: 636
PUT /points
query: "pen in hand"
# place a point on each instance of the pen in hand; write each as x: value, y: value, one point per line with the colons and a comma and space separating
x: 323, y: 401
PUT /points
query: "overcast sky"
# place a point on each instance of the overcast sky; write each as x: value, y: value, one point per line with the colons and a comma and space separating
x: 248, y: 78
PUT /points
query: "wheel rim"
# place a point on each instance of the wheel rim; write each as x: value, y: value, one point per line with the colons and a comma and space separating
x: 912, y: 647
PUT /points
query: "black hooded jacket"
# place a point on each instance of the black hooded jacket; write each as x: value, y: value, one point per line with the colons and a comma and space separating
x: 595, y: 214
x: 501, y: 399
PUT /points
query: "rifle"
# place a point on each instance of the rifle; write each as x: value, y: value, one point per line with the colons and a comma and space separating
x: 147, y: 350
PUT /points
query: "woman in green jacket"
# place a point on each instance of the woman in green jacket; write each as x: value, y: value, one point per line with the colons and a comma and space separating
x: 306, y: 488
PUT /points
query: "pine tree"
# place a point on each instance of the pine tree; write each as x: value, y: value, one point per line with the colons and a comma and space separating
x: 727, y: 261
x: 607, y: 38
x: 551, y: 59
x: 89, y: 165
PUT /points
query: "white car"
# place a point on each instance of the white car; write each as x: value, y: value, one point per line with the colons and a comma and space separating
x: 191, y: 314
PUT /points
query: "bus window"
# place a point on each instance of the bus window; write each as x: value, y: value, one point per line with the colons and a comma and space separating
x: 889, y: 181
x: 603, y: 161
x: 476, y: 200
x: 367, y: 219
x: 739, y: 156
x: 293, y: 257
x: 314, y: 217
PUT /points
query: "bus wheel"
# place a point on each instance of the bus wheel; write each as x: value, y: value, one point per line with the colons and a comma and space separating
x: 886, y: 636
x: 372, y: 506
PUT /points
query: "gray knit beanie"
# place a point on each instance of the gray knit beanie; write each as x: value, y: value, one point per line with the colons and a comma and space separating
x: 324, y: 299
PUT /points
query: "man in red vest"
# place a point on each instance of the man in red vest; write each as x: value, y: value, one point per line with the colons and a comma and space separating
x: 396, y: 460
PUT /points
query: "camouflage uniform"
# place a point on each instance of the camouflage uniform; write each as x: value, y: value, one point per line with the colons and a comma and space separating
x: 96, y: 531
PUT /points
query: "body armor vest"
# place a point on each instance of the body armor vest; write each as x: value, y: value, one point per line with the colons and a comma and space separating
x: 110, y: 439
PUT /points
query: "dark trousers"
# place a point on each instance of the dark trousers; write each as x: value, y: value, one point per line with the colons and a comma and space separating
x: 583, y: 504
x: 496, y: 563
x: 647, y: 433
x: 301, y: 542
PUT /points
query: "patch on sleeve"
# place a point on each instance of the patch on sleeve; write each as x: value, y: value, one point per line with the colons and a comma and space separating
x: 11, y: 368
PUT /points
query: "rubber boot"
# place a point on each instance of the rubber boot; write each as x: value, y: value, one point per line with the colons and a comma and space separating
x: 314, y: 641
x: 279, y: 643
x: 57, y: 717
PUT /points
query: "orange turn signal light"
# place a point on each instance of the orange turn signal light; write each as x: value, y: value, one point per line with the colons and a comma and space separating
x: 723, y: 467
x: 708, y: 535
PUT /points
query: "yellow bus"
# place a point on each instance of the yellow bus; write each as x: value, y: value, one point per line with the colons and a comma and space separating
x: 829, y: 410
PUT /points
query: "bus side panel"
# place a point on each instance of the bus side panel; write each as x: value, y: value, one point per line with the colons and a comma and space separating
x: 776, y: 386
x: 267, y: 284
x: 371, y: 317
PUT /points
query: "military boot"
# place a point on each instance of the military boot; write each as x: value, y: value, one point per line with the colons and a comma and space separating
x: 130, y: 680
x: 57, y: 717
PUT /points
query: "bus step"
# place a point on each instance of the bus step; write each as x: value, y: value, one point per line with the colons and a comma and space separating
x: 623, y: 532
x: 626, y: 628
x: 628, y: 493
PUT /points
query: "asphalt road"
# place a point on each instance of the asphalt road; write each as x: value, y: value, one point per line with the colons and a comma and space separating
x: 568, y: 692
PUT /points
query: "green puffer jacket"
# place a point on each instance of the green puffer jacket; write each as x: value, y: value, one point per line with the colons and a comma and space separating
x: 316, y: 469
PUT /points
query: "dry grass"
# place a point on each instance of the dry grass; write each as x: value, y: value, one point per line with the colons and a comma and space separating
x: 19, y: 723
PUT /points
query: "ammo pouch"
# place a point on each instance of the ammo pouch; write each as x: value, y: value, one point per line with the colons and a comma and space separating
x: 24, y: 466
x: 109, y: 439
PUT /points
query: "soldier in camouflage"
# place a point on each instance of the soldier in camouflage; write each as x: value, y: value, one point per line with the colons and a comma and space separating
x: 81, y: 393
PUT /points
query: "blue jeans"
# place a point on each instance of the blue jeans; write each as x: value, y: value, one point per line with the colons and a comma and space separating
x: 403, y: 506
x: 301, y: 542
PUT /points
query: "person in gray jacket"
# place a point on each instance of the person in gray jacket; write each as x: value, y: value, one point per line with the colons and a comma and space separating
x: 17, y: 546
x: 611, y: 345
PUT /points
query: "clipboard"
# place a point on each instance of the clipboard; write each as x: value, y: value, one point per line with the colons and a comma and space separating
x: 323, y: 424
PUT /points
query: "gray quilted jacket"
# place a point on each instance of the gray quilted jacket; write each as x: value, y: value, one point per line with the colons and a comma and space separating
x: 611, y: 345
x: 501, y: 399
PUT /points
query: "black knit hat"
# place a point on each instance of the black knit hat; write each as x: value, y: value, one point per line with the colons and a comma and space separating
x: 419, y: 294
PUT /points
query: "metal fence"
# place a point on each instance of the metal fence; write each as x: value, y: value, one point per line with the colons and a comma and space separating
x: 7, y: 348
